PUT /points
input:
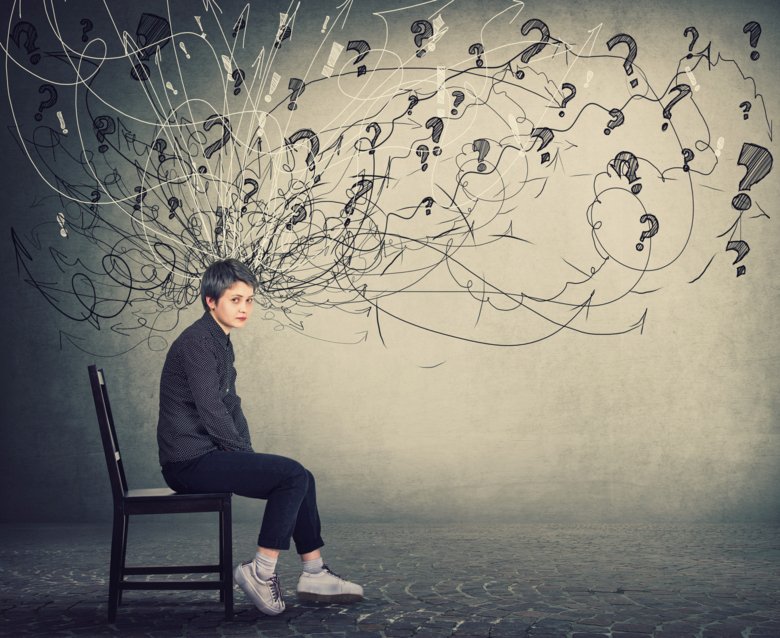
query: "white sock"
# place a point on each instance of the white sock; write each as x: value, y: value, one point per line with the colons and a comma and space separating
x: 313, y: 566
x: 265, y: 565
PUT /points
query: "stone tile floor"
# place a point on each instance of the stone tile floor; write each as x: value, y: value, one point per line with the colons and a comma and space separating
x: 577, y: 581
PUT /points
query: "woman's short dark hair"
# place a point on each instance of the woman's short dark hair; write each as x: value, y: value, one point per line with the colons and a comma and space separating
x: 220, y: 275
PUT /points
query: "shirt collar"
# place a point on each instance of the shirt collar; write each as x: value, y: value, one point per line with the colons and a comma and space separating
x: 216, y: 331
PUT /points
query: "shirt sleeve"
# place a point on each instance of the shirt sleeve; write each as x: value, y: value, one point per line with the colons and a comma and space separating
x: 202, y: 370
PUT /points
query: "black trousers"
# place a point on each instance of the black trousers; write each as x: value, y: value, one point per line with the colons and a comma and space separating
x: 288, y: 487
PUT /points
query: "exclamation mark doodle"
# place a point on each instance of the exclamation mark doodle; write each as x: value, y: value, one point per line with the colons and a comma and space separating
x: 325, y: 24
x: 274, y: 83
x: 62, y: 123
x: 184, y: 49
x: 200, y: 26
x: 335, y: 52
x: 441, y: 91
x: 61, y: 222
x: 692, y: 78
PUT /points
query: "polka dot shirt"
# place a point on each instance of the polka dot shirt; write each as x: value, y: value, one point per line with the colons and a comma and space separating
x: 199, y: 408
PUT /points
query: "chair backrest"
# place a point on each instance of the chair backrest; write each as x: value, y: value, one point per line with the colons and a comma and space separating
x: 116, y: 470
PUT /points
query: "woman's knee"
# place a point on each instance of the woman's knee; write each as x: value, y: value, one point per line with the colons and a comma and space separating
x: 310, y: 480
x: 299, y: 476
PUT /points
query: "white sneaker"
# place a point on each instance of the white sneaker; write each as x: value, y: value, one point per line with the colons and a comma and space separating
x: 265, y: 594
x: 327, y: 587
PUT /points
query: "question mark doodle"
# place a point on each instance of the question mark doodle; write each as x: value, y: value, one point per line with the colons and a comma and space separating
x: 239, y: 25
x: 361, y: 188
x: 254, y: 185
x: 378, y: 131
x: 482, y: 147
x: 297, y: 86
x: 103, y: 126
x: 572, y: 92
x: 87, y: 24
x: 758, y: 162
x: 238, y: 77
x: 160, y: 145
x: 428, y: 202
x: 423, y: 30
x: 314, y: 147
x: 617, y: 120
x: 173, y: 204
x: 30, y: 34
x: 298, y: 216
x: 626, y: 165
x: 745, y: 106
x: 682, y: 90
x: 139, y: 199
x: 688, y: 156
x: 695, y: 33
x: 436, y: 126
x: 647, y: 234
x: 459, y: 97
x: 220, y: 225
x: 546, y: 136
x: 46, y: 88
x: 422, y: 153
x: 624, y: 38
x: 741, y: 248
x: 362, y: 48
x: 534, y: 49
x: 477, y: 49
x: 95, y: 199
x: 413, y: 100
x: 217, y: 120
x: 755, y: 32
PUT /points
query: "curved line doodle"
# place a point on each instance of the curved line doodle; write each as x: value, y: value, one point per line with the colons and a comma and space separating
x: 441, y: 175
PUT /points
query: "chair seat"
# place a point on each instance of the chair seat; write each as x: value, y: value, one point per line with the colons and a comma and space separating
x: 167, y: 493
x: 161, y: 500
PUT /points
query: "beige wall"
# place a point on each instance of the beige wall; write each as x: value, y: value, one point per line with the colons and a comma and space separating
x: 678, y: 421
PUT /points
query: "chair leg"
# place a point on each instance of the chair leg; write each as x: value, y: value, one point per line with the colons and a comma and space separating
x: 226, y: 558
x: 117, y: 566
x: 221, y: 555
x: 124, y: 554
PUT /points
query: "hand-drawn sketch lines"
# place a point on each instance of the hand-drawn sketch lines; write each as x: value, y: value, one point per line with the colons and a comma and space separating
x: 375, y: 163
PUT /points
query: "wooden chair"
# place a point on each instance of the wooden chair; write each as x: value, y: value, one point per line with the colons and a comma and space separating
x: 156, y: 501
